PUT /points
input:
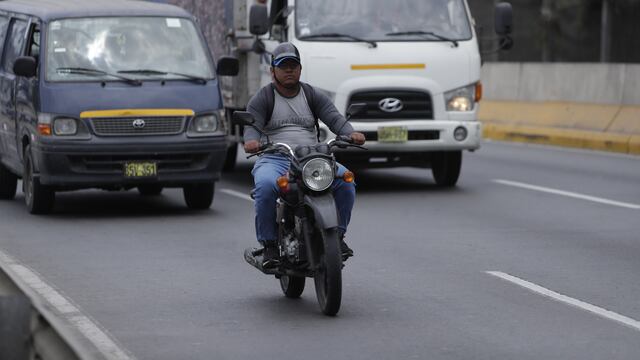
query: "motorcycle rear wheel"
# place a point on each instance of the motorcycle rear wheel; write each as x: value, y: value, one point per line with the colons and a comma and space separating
x: 328, y: 275
x: 292, y: 286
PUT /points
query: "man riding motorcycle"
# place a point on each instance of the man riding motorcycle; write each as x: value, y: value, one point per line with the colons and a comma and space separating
x: 287, y: 111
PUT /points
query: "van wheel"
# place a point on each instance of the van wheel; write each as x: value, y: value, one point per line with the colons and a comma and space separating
x: 8, y: 183
x: 150, y: 190
x: 39, y: 198
x: 199, y: 196
x: 230, y: 160
x: 445, y: 167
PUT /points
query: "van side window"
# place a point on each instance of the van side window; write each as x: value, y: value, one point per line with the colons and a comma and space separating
x: 34, y: 42
x: 15, y: 44
x: 4, y: 25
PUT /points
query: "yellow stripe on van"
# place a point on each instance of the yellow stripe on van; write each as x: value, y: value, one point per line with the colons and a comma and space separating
x: 388, y: 66
x: 136, y: 112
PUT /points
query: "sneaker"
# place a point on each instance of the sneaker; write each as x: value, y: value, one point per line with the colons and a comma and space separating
x: 345, y: 249
x: 270, y: 255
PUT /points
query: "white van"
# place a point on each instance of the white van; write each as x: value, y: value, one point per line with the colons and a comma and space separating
x: 416, y: 63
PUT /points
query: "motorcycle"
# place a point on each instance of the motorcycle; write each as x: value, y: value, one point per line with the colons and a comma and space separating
x: 307, y: 218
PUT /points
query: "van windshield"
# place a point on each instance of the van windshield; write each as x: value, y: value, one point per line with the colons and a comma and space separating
x: 382, y: 20
x: 137, y: 47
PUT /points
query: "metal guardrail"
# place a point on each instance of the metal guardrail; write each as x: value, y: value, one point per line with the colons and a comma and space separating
x: 29, y: 328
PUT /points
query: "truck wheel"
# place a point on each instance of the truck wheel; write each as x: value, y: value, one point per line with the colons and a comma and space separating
x: 230, y: 160
x: 39, y: 198
x: 199, y: 196
x: 445, y: 167
x: 8, y: 183
x: 150, y: 189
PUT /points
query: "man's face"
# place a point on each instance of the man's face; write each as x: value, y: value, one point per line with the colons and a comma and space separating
x: 288, y: 72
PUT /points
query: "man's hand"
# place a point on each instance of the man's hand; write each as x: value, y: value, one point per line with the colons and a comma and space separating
x: 251, y: 146
x: 357, y: 138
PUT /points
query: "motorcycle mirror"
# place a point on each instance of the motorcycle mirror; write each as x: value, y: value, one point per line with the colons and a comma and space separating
x: 356, y: 109
x: 243, y: 118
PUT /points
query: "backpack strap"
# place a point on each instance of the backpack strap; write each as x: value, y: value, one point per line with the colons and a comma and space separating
x: 271, y: 102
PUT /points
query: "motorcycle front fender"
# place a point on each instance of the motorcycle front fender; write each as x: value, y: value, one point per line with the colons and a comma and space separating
x: 324, y: 210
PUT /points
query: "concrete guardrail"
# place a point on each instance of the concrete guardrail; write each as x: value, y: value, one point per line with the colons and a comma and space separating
x: 591, y: 106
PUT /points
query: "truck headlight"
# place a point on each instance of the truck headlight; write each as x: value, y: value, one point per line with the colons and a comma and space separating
x: 65, y: 126
x: 461, y: 99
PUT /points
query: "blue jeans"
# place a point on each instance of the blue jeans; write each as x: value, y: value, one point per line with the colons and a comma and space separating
x: 265, y: 172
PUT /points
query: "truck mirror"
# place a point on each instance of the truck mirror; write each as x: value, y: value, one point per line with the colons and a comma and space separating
x: 356, y: 109
x: 242, y: 118
x: 258, y: 19
x: 503, y: 19
x: 25, y: 66
x: 228, y: 66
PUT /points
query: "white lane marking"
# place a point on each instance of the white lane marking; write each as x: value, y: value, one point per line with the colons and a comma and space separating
x: 65, y: 309
x: 567, y: 193
x: 634, y: 324
x: 237, y: 194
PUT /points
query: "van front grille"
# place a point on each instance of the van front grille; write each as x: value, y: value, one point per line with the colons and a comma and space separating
x: 131, y: 126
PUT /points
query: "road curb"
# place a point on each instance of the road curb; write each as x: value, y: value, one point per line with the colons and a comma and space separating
x: 583, y: 139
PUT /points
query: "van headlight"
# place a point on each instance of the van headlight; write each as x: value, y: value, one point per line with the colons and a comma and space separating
x: 461, y: 99
x: 317, y: 174
x: 207, y: 124
x: 65, y: 126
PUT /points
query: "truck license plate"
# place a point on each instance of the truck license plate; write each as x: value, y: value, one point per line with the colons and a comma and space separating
x: 140, y: 169
x: 394, y: 134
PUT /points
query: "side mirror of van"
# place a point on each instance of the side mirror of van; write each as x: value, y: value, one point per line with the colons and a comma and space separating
x: 242, y: 118
x: 25, y: 66
x: 503, y: 19
x: 356, y: 109
x: 228, y: 66
x: 258, y: 19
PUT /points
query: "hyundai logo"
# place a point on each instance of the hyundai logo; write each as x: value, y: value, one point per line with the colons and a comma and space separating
x: 390, y: 105
x: 138, y: 123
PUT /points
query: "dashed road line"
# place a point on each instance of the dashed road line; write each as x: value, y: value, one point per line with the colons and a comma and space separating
x: 567, y: 193
x: 237, y: 194
x: 607, y: 314
x: 66, y: 309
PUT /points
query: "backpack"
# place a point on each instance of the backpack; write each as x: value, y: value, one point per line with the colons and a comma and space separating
x: 309, y: 94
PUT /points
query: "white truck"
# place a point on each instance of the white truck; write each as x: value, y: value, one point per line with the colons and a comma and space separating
x: 415, y: 63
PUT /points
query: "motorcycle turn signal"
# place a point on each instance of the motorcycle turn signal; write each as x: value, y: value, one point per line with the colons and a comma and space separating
x: 283, y: 183
x: 348, y: 177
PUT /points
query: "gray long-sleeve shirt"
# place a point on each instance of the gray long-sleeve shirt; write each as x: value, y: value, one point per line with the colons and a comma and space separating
x: 292, y: 121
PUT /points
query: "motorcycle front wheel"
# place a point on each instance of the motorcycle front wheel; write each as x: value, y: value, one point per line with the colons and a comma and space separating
x: 328, y: 275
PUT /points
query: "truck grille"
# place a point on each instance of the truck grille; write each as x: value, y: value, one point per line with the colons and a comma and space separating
x: 416, y: 105
x: 131, y: 126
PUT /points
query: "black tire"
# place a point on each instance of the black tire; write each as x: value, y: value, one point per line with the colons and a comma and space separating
x: 199, y: 196
x: 230, y: 160
x: 8, y: 183
x: 292, y: 286
x: 328, y: 275
x: 445, y: 167
x: 150, y: 189
x: 38, y: 198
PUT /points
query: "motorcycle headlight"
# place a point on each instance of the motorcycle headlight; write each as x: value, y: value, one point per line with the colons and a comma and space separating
x: 317, y: 174
x: 461, y: 99
x: 65, y: 126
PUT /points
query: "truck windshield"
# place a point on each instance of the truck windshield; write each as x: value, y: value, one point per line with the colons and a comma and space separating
x: 136, y: 47
x: 383, y: 20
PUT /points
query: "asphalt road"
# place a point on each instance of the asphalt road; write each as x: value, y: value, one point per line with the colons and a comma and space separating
x: 535, y: 255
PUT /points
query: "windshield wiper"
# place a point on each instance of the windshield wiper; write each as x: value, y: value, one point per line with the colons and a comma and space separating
x: 355, y: 38
x: 96, y: 72
x: 150, y: 72
x: 420, y: 32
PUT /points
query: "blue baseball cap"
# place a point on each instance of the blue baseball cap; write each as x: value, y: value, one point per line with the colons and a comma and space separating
x: 283, y: 52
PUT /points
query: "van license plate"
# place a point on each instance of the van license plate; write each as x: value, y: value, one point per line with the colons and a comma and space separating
x: 140, y: 169
x: 394, y: 134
